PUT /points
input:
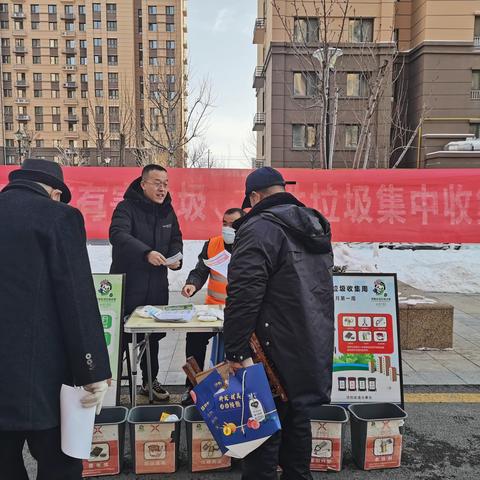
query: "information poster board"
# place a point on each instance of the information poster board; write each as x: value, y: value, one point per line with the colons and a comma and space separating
x: 367, y: 366
x: 110, y: 292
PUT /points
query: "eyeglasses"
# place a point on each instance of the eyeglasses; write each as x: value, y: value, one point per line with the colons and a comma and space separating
x: 158, y: 185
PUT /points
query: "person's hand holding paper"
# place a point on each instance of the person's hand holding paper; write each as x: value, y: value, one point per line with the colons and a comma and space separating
x: 94, y: 397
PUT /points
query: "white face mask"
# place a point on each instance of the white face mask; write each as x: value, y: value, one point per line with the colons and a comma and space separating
x: 228, y: 234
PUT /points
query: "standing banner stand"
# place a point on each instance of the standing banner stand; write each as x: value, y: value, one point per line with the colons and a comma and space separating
x: 367, y: 364
x: 110, y: 289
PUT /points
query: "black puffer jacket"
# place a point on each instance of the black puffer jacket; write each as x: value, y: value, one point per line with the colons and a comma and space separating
x: 138, y: 227
x: 280, y: 286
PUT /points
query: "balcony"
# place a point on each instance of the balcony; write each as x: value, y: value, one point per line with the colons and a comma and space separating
x: 23, y: 118
x: 19, y: 50
x: 258, y: 77
x: 19, y: 15
x: 259, y: 121
x: 72, y: 118
x: 259, y: 31
x: 476, y: 41
x: 67, y: 16
x: 21, y: 83
x: 475, y: 95
x: 70, y: 68
x: 69, y: 34
x: 70, y: 84
x: 22, y: 101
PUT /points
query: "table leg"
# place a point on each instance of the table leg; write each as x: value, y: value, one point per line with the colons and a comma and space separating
x: 149, y: 367
x: 134, y: 370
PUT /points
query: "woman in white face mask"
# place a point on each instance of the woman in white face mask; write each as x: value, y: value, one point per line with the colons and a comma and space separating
x: 217, y: 285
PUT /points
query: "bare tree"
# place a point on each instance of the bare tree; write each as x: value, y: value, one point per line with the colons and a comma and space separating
x: 98, y: 129
x: 147, y: 155
x: 199, y: 155
x: 318, y: 32
x: 72, y: 157
x: 170, y: 127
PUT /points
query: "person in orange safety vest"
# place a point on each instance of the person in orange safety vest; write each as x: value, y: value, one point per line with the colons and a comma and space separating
x: 216, y: 289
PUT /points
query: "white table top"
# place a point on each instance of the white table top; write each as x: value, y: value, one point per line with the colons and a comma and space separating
x: 138, y: 324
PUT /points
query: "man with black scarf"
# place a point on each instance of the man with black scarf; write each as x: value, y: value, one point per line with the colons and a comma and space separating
x: 280, y: 287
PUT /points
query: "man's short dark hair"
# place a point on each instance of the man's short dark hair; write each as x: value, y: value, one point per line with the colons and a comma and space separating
x: 150, y: 168
x: 233, y: 211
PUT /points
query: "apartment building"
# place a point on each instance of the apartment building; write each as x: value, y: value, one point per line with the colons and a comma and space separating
x: 424, y: 52
x: 85, y: 82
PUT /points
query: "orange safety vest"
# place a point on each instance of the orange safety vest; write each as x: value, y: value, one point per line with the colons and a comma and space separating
x: 217, y: 284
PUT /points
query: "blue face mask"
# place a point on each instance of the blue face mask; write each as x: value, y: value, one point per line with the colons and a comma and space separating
x: 228, y: 234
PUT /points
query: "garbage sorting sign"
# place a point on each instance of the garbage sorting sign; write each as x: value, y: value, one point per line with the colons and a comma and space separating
x: 110, y: 290
x: 367, y: 359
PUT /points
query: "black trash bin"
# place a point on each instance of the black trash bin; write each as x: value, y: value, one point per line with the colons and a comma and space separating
x: 155, y: 444
x: 376, y: 430
x: 106, y: 455
x: 203, y: 451
x: 328, y: 432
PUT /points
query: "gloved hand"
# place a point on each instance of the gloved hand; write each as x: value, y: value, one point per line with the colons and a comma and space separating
x: 96, y: 393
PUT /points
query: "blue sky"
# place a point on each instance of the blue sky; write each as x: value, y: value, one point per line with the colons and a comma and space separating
x: 220, y: 47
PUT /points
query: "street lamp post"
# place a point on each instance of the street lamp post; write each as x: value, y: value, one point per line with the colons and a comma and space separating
x: 107, y: 161
x: 328, y: 65
x: 19, y: 138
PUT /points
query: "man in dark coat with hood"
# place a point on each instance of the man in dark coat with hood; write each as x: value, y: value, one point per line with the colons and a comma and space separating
x: 280, y: 286
x: 145, y: 232
x: 50, y: 326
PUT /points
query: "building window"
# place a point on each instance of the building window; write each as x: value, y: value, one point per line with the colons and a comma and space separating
x: 111, y: 8
x: 81, y: 10
x: 40, y: 143
x: 152, y: 27
x: 153, y: 44
x: 7, y: 92
x: 83, y: 44
x: 357, y: 85
x: 112, y: 26
x: 7, y: 77
x: 53, y: 60
x: 53, y: 43
x: 11, y: 158
x: 96, y: 7
x: 56, y: 127
x: 37, y: 77
x: 36, y: 59
x: 475, y: 129
x: 38, y: 111
x: 97, y: 59
x: 55, y: 93
x: 82, y: 27
x: 55, y: 110
x: 113, y: 94
x: 152, y: 10
x: 169, y: 10
x: 305, y: 30
x: 52, y: 9
x: 112, y: 43
x: 9, y: 142
x: 38, y: 127
x: 54, y: 77
x: 114, y: 127
x: 360, y: 30
x: 83, y: 61
x: 113, y: 60
x: 97, y: 42
x: 35, y: 43
x: 98, y: 93
x: 304, y: 136
x: 153, y: 61
x: 113, y: 77
x: 35, y: 25
x: 37, y: 93
x: 476, y: 32
x: 170, y: 44
x: 5, y: 59
x: 3, y: 7
x: 351, y: 135
x: 98, y: 76
x: 170, y: 27
x: 4, y: 24
x: 35, y: 8
x: 170, y: 60
x: 52, y: 26
x: 476, y: 80
x: 97, y: 24
x: 305, y: 84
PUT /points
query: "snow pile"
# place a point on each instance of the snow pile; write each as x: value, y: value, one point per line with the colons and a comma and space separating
x: 450, y: 270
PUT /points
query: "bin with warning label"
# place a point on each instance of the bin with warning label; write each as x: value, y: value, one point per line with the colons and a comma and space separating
x: 106, y: 454
x: 203, y: 451
x: 376, y: 430
x: 155, y: 443
x: 328, y: 430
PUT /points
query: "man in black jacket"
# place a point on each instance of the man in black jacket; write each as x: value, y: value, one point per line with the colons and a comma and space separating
x: 280, y: 286
x: 145, y: 232
x: 50, y: 326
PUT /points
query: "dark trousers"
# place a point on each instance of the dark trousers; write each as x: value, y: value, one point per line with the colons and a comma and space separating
x: 291, y: 448
x: 44, y: 446
x: 197, y: 347
x: 153, y: 340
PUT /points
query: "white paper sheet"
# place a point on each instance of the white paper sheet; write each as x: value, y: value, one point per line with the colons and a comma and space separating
x: 176, y: 258
x: 76, y: 423
x: 219, y: 263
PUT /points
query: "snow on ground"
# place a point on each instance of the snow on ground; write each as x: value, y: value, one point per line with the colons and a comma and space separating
x: 430, y: 270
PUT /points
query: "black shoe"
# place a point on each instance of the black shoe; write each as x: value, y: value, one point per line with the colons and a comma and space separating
x: 186, y: 399
x: 159, y: 393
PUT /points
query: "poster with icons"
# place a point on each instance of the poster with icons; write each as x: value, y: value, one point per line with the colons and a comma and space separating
x: 367, y: 364
x: 110, y: 291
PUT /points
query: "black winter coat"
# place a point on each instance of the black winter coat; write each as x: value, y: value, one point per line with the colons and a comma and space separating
x: 138, y: 227
x: 50, y: 326
x: 280, y: 286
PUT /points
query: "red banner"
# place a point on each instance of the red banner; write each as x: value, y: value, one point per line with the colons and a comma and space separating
x: 362, y: 205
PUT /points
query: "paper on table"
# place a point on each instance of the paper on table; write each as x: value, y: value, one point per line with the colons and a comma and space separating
x: 176, y: 258
x: 219, y: 263
x: 76, y: 423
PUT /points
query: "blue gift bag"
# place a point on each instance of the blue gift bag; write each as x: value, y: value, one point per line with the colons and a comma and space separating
x: 241, y: 415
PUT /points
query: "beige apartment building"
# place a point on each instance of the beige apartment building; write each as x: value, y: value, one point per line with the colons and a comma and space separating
x: 406, y: 81
x: 93, y: 82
